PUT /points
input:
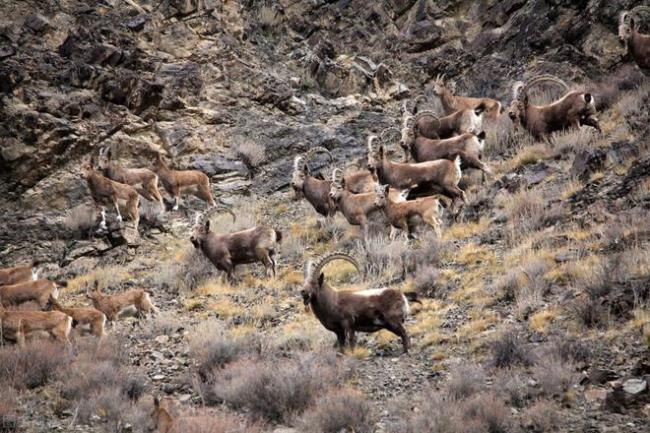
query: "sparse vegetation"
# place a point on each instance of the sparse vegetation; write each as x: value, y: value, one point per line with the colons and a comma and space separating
x: 340, y: 410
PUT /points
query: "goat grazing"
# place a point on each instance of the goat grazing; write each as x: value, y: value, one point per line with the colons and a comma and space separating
x: 83, y: 316
x: 105, y: 191
x: 468, y: 146
x: 452, y: 103
x: 113, y: 305
x: 428, y: 124
x: 406, y: 214
x: 572, y: 110
x: 356, y: 208
x: 442, y: 174
x: 40, y: 291
x: 315, y: 191
x: 637, y: 43
x: 18, y: 324
x: 19, y: 274
x: 146, y: 179
x: 177, y: 181
x: 226, y: 251
x: 345, y: 312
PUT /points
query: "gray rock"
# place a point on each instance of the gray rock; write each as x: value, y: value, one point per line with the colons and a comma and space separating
x: 635, y: 386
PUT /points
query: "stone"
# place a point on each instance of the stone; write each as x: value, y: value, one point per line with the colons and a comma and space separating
x: 635, y: 386
x: 594, y: 395
x: 162, y: 339
x: 37, y: 23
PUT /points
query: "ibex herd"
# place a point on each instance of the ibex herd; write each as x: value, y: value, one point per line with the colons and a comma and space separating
x: 410, y: 193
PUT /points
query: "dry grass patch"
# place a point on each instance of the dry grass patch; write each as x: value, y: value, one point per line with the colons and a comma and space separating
x: 479, y: 322
x: 527, y: 155
x: 570, y: 188
x: 465, y: 230
x: 216, y: 286
x: 339, y: 411
x: 106, y: 277
x: 227, y: 309
x: 542, y: 320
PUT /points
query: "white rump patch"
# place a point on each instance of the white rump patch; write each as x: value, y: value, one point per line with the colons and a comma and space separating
x: 370, y: 292
x: 457, y: 165
x: 34, y: 274
x: 480, y: 143
x: 55, y: 293
x: 407, y: 308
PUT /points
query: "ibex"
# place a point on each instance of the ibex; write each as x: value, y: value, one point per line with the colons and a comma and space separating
x: 19, y: 274
x: 428, y: 124
x: 113, y: 305
x: 442, y: 174
x: 315, y: 191
x: 345, y: 312
x: 226, y: 251
x: 571, y: 111
x: 407, y: 214
x: 145, y: 179
x: 468, y: 146
x: 40, y: 291
x: 105, y: 191
x: 356, y: 208
x: 83, y: 316
x: 177, y: 181
x: 637, y: 43
x: 18, y: 324
x: 452, y: 103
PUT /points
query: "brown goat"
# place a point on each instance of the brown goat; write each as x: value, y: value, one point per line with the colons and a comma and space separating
x: 356, y: 208
x: 18, y: 324
x: 452, y: 103
x: 442, y: 174
x: 19, y: 274
x: 162, y: 419
x: 315, y: 191
x: 468, y: 146
x: 571, y: 111
x: 226, y: 251
x: 146, y: 179
x: 93, y: 318
x: 113, y: 305
x: 428, y: 124
x: 40, y: 291
x: 105, y: 191
x: 345, y: 312
x: 637, y: 43
x: 407, y: 214
x: 177, y: 181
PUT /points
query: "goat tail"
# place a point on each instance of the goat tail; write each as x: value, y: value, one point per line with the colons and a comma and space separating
x: 278, y: 236
x: 412, y: 297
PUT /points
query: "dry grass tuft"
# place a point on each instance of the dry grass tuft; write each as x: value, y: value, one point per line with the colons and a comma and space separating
x: 339, y: 411
x: 510, y: 349
x: 34, y: 366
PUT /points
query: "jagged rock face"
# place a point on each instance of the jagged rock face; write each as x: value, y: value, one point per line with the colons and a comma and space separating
x: 194, y: 78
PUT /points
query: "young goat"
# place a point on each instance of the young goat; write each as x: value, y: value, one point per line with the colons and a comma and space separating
x: 113, y: 305
x: 452, y: 103
x: 105, y: 191
x: 146, y: 179
x: 345, y: 312
x: 427, y: 124
x: 226, y: 251
x: 407, y: 214
x: 315, y: 191
x: 637, y: 43
x: 19, y: 274
x: 16, y: 325
x: 83, y: 316
x: 356, y: 208
x: 442, y: 174
x: 571, y: 111
x: 177, y: 181
x: 40, y: 291
x: 468, y: 146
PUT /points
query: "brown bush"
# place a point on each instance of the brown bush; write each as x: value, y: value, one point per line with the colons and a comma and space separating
x: 553, y: 376
x: 9, y: 417
x: 339, y: 411
x: 486, y: 412
x: 465, y: 380
x: 426, y: 283
x: 33, y: 366
x: 80, y: 220
x: 435, y: 415
x: 512, y: 386
x: 272, y: 393
x: 541, y: 417
x: 509, y: 349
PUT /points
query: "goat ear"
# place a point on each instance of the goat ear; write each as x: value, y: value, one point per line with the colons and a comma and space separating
x: 109, y: 153
x: 321, y: 279
x: 588, y: 98
x: 632, y: 24
x: 481, y: 135
x: 207, y: 225
x: 381, y: 151
x: 386, y: 188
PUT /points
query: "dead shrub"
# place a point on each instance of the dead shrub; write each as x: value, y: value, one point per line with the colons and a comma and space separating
x: 33, y: 366
x: 250, y: 153
x: 186, y: 273
x: 426, y: 283
x: 337, y: 411
x: 553, y: 376
x: 465, y: 380
x: 272, y: 393
x: 486, y: 412
x: 163, y: 323
x: 9, y: 416
x: 80, y: 220
x: 436, y: 414
x: 541, y: 417
x: 509, y: 349
x: 384, y: 259
x: 512, y: 386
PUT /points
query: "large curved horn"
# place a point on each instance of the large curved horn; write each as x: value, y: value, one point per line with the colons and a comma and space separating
x: 315, y: 269
x: 317, y: 149
x: 298, y: 163
x: 419, y: 98
x: 516, y: 89
x: 337, y: 176
x: 382, y: 135
x: 635, y: 10
x: 371, y: 143
x: 541, y: 79
x: 216, y: 209
x: 426, y: 113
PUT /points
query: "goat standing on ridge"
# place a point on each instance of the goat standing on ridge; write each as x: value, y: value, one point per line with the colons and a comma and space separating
x: 452, y: 103
x: 177, y: 181
x: 637, y: 43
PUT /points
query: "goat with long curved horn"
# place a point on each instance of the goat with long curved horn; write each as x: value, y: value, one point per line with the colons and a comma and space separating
x: 637, y: 43
x: 346, y: 312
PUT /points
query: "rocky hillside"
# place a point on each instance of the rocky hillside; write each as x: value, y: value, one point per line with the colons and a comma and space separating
x: 535, y: 304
